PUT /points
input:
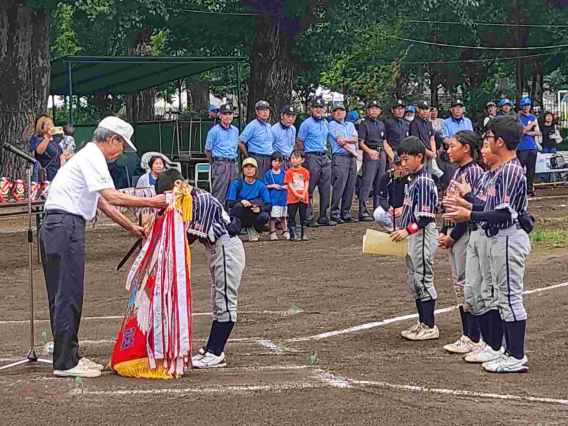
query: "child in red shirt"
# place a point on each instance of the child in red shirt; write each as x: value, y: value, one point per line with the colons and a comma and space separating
x: 298, y: 180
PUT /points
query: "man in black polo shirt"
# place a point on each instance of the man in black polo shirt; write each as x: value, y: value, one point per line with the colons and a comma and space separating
x: 371, y: 140
x: 396, y: 129
x: 422, y: 128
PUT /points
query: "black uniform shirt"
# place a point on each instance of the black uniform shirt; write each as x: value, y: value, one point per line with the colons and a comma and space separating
x: 372, y: 133
x: 423, y: 129
x: 396, y: 131
x: 391, y: 191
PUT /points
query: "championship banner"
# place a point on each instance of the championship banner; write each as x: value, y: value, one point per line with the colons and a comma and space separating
x: 154, y: 340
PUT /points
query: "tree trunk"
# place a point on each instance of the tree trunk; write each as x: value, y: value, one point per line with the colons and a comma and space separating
x: 534, y: 93
x: 199, y: 95
x: 24, y: 77
x: 272, y: 67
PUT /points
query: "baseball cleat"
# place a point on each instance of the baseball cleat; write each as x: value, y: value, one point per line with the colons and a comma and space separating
x: 92, y: 365
x: 507, y: 364
x: 424, y: 333
x: 80, y: 370
x: 199, y: 355
x: 483, y: 355
x: 210, y: 360
x: 463, y: 346
x: 412, y: 329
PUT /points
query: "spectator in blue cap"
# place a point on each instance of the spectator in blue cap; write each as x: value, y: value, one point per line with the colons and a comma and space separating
x: 409, y: 114
x: 527, y: 150
x: 214, y: 111
x: 506, y: 107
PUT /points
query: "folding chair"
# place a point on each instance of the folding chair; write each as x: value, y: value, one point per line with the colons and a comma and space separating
x: 203, y: 169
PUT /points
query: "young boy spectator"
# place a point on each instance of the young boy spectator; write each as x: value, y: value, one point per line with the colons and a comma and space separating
x: 226, y: 257
x: 67, y: 143
x: 274, y: 181
x: 462, y: 149
x: 391, y: 197
x: 298, y: 179
x: 418, y: 222
x: 507, y: 226
x: 248, y: 202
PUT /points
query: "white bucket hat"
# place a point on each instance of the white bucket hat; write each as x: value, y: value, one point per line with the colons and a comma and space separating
x: 122, y: 128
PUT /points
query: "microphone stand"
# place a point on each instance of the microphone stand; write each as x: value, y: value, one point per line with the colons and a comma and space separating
x: 32, y: 355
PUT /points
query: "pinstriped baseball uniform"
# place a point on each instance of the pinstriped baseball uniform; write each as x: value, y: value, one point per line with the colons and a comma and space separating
x: 470, y: 172
x: 481, y: 295
x: 509, y: 245
x: 421, y: 200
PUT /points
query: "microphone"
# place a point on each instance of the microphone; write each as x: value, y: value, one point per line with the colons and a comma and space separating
x: 19, y: 153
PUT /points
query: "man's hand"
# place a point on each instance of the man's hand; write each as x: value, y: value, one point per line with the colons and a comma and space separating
x: 430, y: 154
x: 398, y: 212
x: 399, y: 235
x: 459, y: 214
x: 159, y: 201
x: 446, y: 241
x: 373, y: 154
x: 246, y: 203
x: 138, y: 231
x: 341, y: 140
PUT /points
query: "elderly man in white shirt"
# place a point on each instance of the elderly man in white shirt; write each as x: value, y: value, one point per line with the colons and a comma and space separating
x: 78, y: 189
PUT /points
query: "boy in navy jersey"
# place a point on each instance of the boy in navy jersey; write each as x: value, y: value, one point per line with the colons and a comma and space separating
x: 418, y: 222
x: 506, y: 225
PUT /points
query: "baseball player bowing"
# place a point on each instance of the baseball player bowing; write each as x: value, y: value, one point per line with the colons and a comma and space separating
x: 226, y: 257
x: 506, y: 225
x: 462, y: 148
x: 418, y: 222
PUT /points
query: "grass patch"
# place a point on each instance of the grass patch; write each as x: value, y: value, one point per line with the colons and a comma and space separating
x: 557, y: 238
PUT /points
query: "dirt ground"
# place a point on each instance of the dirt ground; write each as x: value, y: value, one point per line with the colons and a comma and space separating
x: 282, y: 368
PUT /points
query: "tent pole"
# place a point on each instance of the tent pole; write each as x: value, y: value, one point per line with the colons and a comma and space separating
x: 70, y: 94
x: 238, y: 68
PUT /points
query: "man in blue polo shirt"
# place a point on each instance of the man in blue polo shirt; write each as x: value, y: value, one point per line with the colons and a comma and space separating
x: 256, y: 139
x: 221, y: 150
x: 284, y: 134
x: 343, y: 139
x: 527, y: 150
x: 312, y: 138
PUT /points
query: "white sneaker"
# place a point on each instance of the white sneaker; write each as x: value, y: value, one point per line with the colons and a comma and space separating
x: 424, y: 333
x: 413, y: 329
x: 210, y: 360
x: 482, y: 355
x: 199, y: 355
x: 508, y: 364
x: 286, y: 235
x: 273, y: 236
x: 463, y: 346
x: 80, y: 370
x: 252, y: 234
x: 92, y: 365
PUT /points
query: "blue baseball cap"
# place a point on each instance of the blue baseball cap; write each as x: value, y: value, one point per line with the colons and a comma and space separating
x: 213, y: 108
x: 504, y: 102
x: 410, y: 109
x: 352, y: 116
x: 525, y: 101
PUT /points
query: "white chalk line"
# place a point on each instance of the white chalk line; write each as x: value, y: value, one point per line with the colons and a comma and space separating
x: 340, y: 382
x: 115, y: 317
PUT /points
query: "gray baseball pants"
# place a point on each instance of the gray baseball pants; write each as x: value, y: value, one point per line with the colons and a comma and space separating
x: 420, y: 263
x: 458, y: 255
x: 319, y: 167
x: 263, y: 162
x: 224, y: 172
x: 508, y: 251
x: 373, y: 170
x: 226, y: 259
x: 481, y: 295
x: 343, y: 180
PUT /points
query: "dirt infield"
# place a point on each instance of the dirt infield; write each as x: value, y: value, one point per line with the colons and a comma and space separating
x: 297, y: 355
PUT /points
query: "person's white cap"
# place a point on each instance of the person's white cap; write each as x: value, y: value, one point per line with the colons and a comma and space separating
x: 121, y: 128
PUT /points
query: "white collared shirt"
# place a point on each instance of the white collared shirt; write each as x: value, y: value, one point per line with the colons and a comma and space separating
x: 76, y: 186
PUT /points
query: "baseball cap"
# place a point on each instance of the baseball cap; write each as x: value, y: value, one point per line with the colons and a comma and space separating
x: 457, y: 102
x: 505, y: 101
x: 213, y: 108
x: 261, y: 105
x: 250, y: 161
x: 398, y: 104
x: 338, y: 106
x: 317, y: 102
x: 525, y: 101
x: 396, y: 159
x: 226, y: 109
x: 121, y: 128
x: 289, y: 110
x: 490, y: 104
x: 424, y: 105
x: 372, y: 104
x: 410, y: 109
x: 352, y: 116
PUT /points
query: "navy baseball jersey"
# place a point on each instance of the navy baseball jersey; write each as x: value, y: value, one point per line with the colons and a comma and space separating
x: 481, y: 186
x: 420, y: 199
x: 471, y: 172
x: 507, y: 190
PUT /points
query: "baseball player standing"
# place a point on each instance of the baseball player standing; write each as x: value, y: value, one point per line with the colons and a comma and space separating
x: 418, y: 221
x: 506, y: 226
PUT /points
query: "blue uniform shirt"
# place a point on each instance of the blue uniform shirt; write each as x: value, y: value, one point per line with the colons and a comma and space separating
x: 313, y: 133
x: 255, y: 191
x: 279, y: 197
x: 527, y: 142
x: 257, y: 137
x: 222, y: 142
x: 420, y: 199
x: 337, y: 130
x: 452, y: 126
x: 284, y: 139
